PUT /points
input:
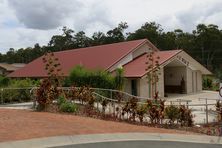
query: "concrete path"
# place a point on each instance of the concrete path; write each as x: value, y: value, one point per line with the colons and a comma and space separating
x: 26, y: 105
x: 98, y: 138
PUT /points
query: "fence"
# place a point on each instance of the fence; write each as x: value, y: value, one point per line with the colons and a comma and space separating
x: 203, y: 113
x: 15, y: 95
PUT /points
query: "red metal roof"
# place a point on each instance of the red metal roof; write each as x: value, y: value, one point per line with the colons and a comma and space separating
x: 101, y: 57
x: 136, y: 67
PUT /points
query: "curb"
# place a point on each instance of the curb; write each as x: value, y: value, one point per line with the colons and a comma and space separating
x: 95, y: 138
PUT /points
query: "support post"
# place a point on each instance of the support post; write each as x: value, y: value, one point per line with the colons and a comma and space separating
x: 111, y: 94
x: 187, y: 104
x: 206, y: 112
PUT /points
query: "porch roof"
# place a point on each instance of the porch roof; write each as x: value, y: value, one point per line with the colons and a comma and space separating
x: 136, y: 67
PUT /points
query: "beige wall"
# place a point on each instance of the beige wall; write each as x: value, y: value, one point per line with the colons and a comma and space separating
x: 144, y: 89
x: 144, y: 86
x: 199, y: 81
x: 189, y: 81
x: 160, y: 84
x: 143, y: 49
x: 123, y: 61
x: 127, y: 86
x: 193, y: 64
x: 194, y: 83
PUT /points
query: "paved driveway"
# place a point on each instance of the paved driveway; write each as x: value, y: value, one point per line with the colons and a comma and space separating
x: 198, y: 111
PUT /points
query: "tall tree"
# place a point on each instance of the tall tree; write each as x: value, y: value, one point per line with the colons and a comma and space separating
x: 116, y: 34
x: 81, y: 40
x: 149, y: 30
x: 98, y: 38
x: 62, y: 42
x: 208, y: 41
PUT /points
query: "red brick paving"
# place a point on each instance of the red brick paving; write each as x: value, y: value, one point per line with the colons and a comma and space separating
x: 25, y: 124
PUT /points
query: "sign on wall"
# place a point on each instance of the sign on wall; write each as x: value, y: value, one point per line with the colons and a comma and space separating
x: 220, y: 91
x: 180, y: 58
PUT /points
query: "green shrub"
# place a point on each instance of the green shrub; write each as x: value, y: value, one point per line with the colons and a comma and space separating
x: 207, y: 83
x: 4, y: 81
x: 80, y: 76
x: 61, y: 100
x: 21, y: 83
x: 68, y: 107
x: 16, y: 90
x: 172, y: 113
x: 10, y: 95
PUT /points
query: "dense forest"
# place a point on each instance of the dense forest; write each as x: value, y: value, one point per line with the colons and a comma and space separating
x: 204, y: 43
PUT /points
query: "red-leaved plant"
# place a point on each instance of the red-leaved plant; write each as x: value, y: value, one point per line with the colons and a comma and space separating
x: 49, y: 87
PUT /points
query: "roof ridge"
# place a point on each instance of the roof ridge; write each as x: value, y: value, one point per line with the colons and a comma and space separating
x: 84, y: 48
x: 143, y: 41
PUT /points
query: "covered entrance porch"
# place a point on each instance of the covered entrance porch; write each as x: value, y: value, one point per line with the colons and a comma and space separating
x: 178, y: 74
x: 175, y: 78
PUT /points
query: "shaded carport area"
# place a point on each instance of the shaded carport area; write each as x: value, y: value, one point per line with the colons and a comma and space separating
x: 175, y: 77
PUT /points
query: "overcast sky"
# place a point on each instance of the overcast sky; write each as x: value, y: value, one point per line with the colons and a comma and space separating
x: 26, y: 22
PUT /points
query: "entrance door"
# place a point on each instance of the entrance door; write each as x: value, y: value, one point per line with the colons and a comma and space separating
x: 134, y: 87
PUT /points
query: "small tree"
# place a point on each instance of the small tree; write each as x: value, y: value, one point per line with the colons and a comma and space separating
x: 48, y: 90
x: 219, y: 110
x: 152, y: 69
